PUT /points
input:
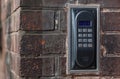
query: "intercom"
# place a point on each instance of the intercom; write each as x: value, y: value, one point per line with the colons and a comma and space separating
x: 83, y: 38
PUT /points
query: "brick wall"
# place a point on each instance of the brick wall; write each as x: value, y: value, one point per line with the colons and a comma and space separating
x: 35, y: 39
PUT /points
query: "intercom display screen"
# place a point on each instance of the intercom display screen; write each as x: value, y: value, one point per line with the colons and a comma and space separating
x: 84, y: 23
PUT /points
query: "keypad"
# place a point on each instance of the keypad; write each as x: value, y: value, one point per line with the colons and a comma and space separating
x: 85, y: 37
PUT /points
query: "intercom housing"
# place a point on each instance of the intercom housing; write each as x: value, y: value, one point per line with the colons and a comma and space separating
x: 83, y: 38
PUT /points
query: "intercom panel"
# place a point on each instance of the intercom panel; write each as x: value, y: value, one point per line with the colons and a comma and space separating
x: 83, y: 38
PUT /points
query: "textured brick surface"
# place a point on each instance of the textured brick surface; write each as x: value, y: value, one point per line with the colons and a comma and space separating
x: 8, y: 7
x: 31, y: 66
x: 110, y: 66
x: 37, y: 20
x: 36, y: 3
x: 87, y: 77
x: 62, y: 65
x: 15, y: 64
x: 110, y: 21
x: 38, y: 28
x: 48, y: 67
x: 63, y: 20
x: 13, y: 43
x: 106, y: 3
x: 111, y: 43
x: 15, y: 4
x: 16, y: 20
x: 37, y: 66
x: 46, y: 78
x: 42, y: 44
x: 7, y: 25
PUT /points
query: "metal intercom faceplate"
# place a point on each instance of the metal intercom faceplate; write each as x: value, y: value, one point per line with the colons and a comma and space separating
x: 83, y: 38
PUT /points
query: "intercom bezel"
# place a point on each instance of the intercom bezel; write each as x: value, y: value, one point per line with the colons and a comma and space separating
x: 69, y: 6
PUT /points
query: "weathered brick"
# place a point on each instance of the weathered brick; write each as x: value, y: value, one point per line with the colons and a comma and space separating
x: 29, y: 77
x: 16, y: 20
x: 88, y: 77
x: 110, y: 21
x: 42, y: 44
x: 106, y: 3
x: 46, y: 3
x: 15, y: 63
x: 110, y: 66
x: 8, y: 42
x: 7, y: 25
x: 111, y: 43
x: 81, y: 1
x: 9, y: 6
x: 54, y: 78
x: 62, y: 65
x: 37, y: 66
x: 13, y: 22
x: 63, y: 21
x: 107, y: 77
x: 37, y: 20
x: 11, y: 39
x: 13, y: 43
x: 45, y: 78
x: 30, y: 66
x: 15, y: 4
x: 48, y: 67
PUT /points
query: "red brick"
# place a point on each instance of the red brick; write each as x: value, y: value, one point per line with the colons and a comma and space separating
x: 54, y: 78
x: 37, y: 66
x: 63, y: 21
x: 31, y: 66
x: 29, y: 77
x: 110, y: 66
x: 46, y: 3
x: 111, y: 43
x: 42, y: 45
x: 88, y: 77
x: 48, y: 67
x: 110, y: 21
x: 62, y: 65
x: 106, y: 3
x: 37, y: 20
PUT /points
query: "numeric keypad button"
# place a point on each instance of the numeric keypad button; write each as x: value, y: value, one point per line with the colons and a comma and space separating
x: 84, y: 40
x: 80, y: 45
x: 85, y: 45
x: 84, y: 35
x: 79, y: 40
x: 89, y: 35
x: 84, y: 30
x: 80, y: 30
x: 89, y: 30
x: 80, y: 35
x: 89, y: 40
